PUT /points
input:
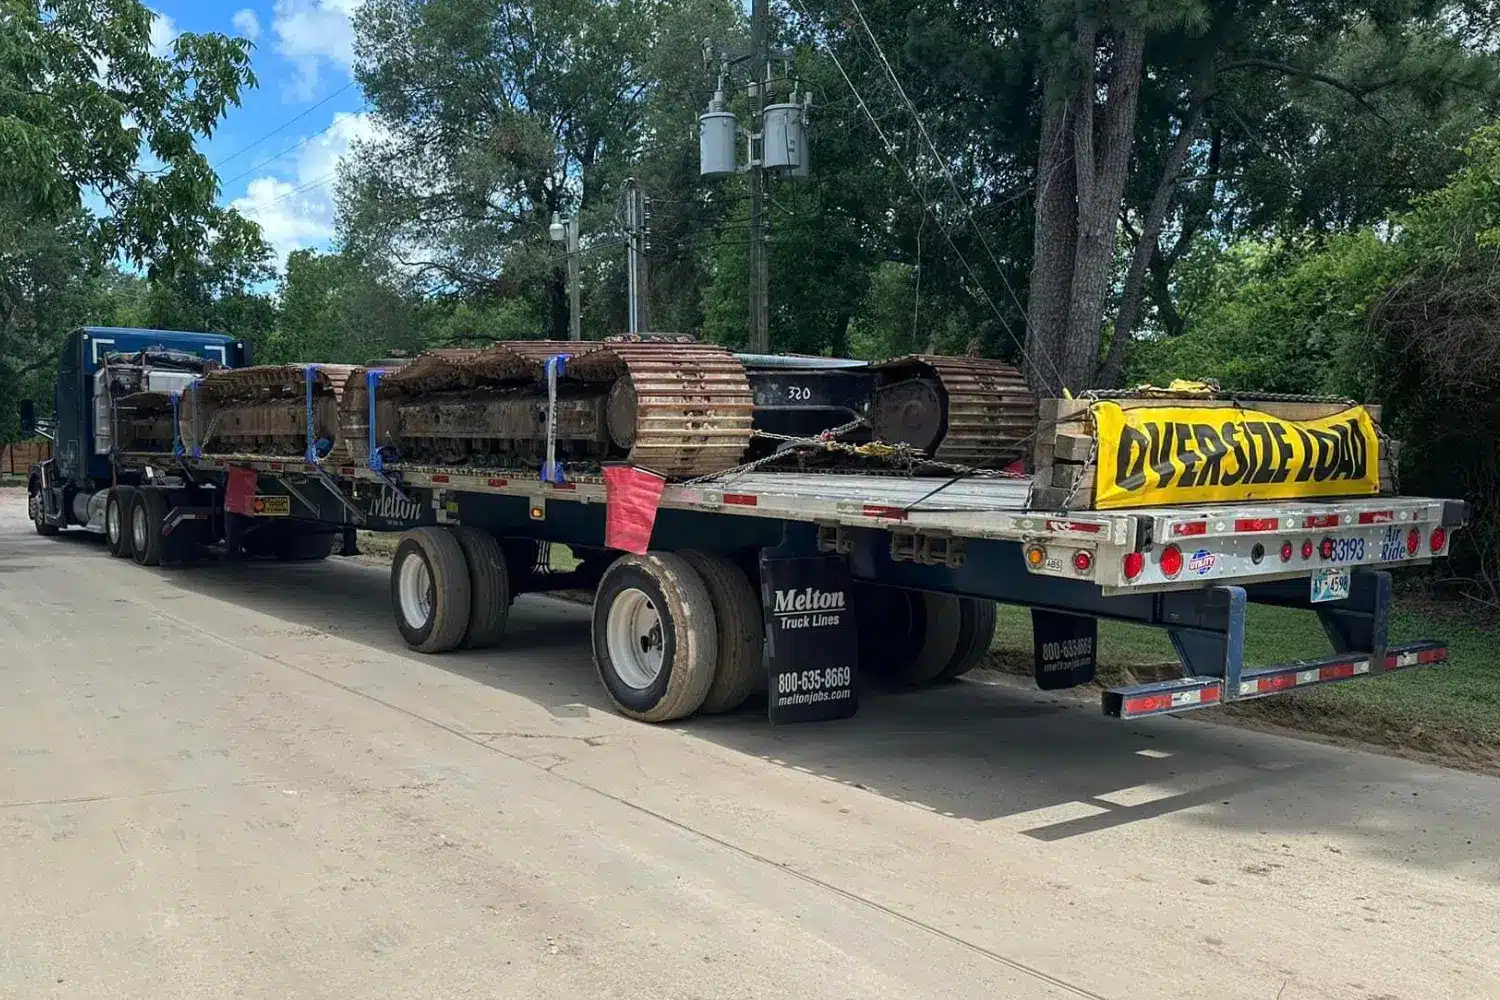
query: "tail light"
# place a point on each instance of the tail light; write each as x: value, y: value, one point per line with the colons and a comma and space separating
x: 1171, y: 560
x: 1307, y: 549
x: 1083, y: 560
x: 1414, y: 541
x: 1437, y: 539
x: 1135, y: 562
x: 1286, y: 551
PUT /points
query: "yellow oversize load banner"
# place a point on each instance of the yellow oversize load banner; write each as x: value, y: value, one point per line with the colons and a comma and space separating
x: 1179, y: 455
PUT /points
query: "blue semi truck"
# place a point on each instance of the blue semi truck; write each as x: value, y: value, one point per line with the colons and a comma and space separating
x: 805, y: 585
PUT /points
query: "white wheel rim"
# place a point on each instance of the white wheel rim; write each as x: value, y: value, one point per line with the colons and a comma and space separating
x: 112, y: 522
x: 414, y: 591
x: 138, y: 528
x: 634, y: 637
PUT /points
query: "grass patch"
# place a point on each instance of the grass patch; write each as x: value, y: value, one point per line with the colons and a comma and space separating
x: 382, y: 544
x: 1452, y: 711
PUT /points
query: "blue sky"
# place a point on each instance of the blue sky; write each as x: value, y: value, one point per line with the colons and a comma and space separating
x: 303, y: 50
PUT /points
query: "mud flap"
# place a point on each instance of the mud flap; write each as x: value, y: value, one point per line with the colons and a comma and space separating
x: 1066, y: 649
x: 812, y: 652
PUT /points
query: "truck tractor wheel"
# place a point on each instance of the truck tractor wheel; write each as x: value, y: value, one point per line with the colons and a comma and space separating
x: 35, y: 508
x: 654, y: 636
x: 147, y: 511
x: 430, y: 590
x: 117, y: 520
x: 976, y: 633
x: 293, y: 545
x: 742, y: 637
x: 489, y: 586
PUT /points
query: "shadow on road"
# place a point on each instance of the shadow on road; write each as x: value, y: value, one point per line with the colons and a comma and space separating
x: 1051, y: 767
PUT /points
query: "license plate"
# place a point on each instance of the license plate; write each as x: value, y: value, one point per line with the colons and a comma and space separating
x: 1330, y: 584
x: 271, y: 506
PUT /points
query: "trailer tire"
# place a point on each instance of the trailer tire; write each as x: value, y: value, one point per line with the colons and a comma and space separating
x: 430, y: 590
x: 303, y: 546
x: 147, y: 511
x: 976, y: 633
x: 889, y: 629
x: 654, y: 636
x: 117, y: 520
x: 942, y: 616
x: 489, y: 587
x: 737, y: 618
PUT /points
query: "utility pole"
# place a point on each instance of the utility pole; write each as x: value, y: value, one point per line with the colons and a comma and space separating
x: 636, y: 271
x: 760, y: 307
x: 566, y: 231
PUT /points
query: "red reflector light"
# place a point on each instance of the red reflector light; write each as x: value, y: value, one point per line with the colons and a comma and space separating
x: 1437, y: 539
x: 1276, y: 682
x: 439, y: 479
x: 1325, y: 548
x: 1171, y: 560
x: 1189, y: 528
x: 740, y: 499
x: 1149, y: 703
x: 497, y: 484
x: 1286, y: 551
x: 1432, y: 655
x: 1338, y: 671
x: 1256, y: 524
x: 1135, y: 562
x: 1377, y: 516
x: 892, y: 513
x: 1083, y: 561
x: 1321, y: 521
x: 1413, y: 541
x: 1307, y: 549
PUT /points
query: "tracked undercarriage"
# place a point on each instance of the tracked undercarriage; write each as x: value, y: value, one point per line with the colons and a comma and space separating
x: 679, y: 408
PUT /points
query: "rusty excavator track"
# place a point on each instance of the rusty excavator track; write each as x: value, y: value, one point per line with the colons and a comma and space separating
x: 677, y: 407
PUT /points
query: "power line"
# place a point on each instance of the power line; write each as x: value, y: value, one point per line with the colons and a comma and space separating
x: 290, y: 149
x: 953, y: 185
x: 282, y: 127
x: 892, y: 149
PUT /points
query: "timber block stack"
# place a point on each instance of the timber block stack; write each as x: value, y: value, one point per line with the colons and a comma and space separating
x: 1063, y: 454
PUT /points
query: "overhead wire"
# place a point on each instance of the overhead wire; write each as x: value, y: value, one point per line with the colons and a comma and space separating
x: 283, y: 126
x: 953, y: 186
x: 892, y: 149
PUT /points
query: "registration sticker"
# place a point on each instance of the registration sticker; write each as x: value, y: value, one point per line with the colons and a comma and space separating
x: 270, y: 505
x: 1331, y: 584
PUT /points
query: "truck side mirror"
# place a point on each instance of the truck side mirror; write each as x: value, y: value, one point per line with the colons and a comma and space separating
x: 28, y: 419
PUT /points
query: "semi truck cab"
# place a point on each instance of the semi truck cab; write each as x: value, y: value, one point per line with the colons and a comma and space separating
x: 69, y: 488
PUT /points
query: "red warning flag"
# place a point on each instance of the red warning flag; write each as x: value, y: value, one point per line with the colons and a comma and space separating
x: 630, y: 499
x: 239, y: 490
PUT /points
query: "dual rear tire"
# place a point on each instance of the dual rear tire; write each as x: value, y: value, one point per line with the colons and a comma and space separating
x: 910, y: 638
x: 449, y: 589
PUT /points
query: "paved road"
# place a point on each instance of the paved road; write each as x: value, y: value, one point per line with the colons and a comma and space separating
x: 239, y: 783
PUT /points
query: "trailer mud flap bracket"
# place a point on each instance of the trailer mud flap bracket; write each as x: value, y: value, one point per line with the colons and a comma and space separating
x: 926, y: 549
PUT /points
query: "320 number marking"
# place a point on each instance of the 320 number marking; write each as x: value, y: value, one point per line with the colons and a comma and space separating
x: 798, y: 393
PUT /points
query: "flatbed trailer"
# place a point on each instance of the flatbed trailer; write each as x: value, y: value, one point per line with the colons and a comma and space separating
x: 799, y: 584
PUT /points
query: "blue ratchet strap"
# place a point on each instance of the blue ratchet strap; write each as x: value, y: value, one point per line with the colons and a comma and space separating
x: 552, y: 470
x: 177, y: 448
x: 309, y: 373
x: 372, y: 378
x: 197, y: 420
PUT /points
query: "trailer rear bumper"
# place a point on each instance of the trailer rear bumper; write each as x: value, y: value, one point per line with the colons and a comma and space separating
x: 1163, y: 697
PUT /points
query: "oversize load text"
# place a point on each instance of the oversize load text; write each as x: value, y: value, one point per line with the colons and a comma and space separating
x: 1160, y: 455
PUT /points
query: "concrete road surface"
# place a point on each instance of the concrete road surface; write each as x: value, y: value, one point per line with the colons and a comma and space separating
x: 237, y: 782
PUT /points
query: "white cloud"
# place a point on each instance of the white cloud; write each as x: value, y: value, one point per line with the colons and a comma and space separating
x: 296, y: 211
x: 163, y: 32
x: 246, y: 23
x: 308, y: 32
